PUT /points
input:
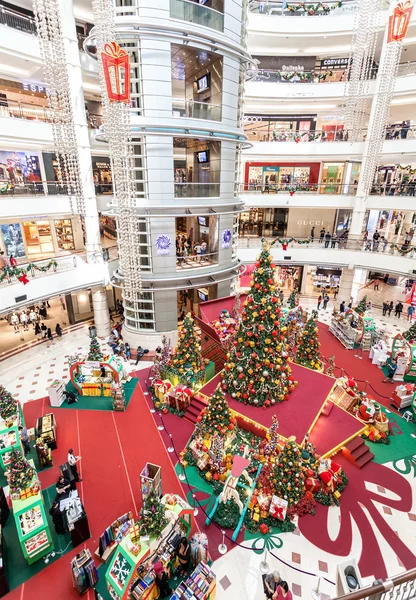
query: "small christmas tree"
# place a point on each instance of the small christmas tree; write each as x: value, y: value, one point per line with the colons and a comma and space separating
x: 8, y: 404
x: 362, y: 305
x: 19, y: 472
x: 216, y: 417
x: 308, y: 349
x: 288, y: 476
x: 95, y: 350
x: 295, y: 327
x: 273, y: 436
x: 152, y: 518
x: 187, y: 364
x: 257, y: 371
x: 292, y: 301
x: 410, y: 334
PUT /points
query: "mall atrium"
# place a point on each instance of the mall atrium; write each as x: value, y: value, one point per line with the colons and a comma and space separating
x: 207, y: 299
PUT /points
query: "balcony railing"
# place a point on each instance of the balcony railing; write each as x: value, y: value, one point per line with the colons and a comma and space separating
x: 399, y: 587
x: 38, y: 268
x: 195, y: 261
x: 186, y: 10
x: 380, y: 247
x: 31, y: 112
x: 17, y: 20
x: 299, y: 188
x: 41, y: 188
x: 307, y: 9
x: 258, y: 132
x: 316, y: 76
x: 195, y: 110
x: 197, y: 190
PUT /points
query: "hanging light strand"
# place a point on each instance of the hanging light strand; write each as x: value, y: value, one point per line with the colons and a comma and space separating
x: 52, y: 49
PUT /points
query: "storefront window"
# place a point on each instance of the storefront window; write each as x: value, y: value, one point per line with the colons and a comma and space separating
x: 332, y: 175
x: 38, y: 237
x: 273, y: 178
x: 64, y: 234
x: 19, y: 168
x: 13, y: 240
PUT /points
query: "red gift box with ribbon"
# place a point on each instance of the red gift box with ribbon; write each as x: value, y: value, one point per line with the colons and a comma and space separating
x: 278, y: 508
x: 312, y: 485
x: 161, y: 389
x: 180, y: 397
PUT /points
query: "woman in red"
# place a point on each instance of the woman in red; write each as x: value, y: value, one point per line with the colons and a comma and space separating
x: 282, y: 592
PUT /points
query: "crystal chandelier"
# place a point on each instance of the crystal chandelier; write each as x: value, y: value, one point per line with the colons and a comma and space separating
x: 360, y: 65
x: 389, y: 65
x: 117, y: 125
x: 51, y: 42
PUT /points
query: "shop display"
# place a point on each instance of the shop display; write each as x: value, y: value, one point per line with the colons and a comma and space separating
x: 64, y: 234
x: 32, y: 527
x: 56, y: 393
x: 87, y: 378
x: 378, y: 352
x: 119, y: 399
x: 113, y: 535
x: 4, y: 586
x: 84, y: 572
x: 151, y: 480
x: 77, y: 520
x: 352, y: 329
x: 403, y: 395
x: 46, y: 428
x: 44, y: 454
x: 257, y: 371
x: 200, y: 585
x: 403, y: 353
x: 186, y: 365
x: 21, y: 476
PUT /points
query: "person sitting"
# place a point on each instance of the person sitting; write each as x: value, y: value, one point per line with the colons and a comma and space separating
x: 391, y: 365
x: 162, y: 580
x: 70, y: 397
x: 270, y: 583
x: 183, y: 553
x: 62, y: 487
x: 282, y: 592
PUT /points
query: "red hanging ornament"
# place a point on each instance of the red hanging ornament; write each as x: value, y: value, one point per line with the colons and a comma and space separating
x: 23, y: 279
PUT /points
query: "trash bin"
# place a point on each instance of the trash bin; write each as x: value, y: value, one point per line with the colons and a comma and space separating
x: 92, y: 331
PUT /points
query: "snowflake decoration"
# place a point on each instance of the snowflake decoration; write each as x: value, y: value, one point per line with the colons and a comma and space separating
x: 120, y: 571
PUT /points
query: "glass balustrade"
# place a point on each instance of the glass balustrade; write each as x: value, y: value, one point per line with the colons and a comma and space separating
x: 186, y: 10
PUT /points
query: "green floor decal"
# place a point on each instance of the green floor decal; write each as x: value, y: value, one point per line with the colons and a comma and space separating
x: 402, y: 444
x: 98, y: 402
x: 17, y: 569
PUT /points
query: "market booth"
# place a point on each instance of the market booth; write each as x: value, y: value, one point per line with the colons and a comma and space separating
x: 87, y: 378
x: 9, y: 436
x: 352, y: 329
x: 404, y: 353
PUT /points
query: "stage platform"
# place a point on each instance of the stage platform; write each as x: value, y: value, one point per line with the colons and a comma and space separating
x: 296, y: 415
x: 339, y: 427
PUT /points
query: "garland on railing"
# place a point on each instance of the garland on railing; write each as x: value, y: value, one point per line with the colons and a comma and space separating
x: 21, y: 272
x: 312, y: 9
x: 296, y: 136
x: 286, y: 241
x: 305, y: 76
x: 400, y: 249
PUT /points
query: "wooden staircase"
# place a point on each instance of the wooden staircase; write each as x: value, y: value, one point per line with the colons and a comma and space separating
x: 358, y: 452
x: 194, y: 409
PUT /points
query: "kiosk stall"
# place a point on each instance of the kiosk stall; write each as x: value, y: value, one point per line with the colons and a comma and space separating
x: 87, y: 378
x: 352, y: 329
x: 404, y: 353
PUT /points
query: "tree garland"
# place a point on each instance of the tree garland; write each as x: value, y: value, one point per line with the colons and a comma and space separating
x: 407, y: 249
x: 312, y: 9
x: 9, y: 272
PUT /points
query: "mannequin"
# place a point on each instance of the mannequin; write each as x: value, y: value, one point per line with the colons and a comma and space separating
x: 14, y: 320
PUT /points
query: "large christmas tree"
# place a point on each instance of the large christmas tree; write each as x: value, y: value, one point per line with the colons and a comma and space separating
x: 19, y: 472
x: 410, y: 334
x: 95, y: 350
x: 362, y: 305
x: 308, y: 350
x: 187, y: 363
x: 8, y: 404
x: 257, y: 371
x: 288, y: 477
x: 216, y: 417
x: 152, y: 519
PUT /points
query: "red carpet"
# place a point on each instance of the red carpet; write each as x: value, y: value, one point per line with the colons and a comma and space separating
x: 330, y: 431
x: 114, y: 448
x: 297, y: 414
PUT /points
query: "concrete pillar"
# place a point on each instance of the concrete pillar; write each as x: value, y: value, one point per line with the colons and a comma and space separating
x: 93, y: 244
x: 345, y: 286
x: 305, y: 279
x: 101, y: 314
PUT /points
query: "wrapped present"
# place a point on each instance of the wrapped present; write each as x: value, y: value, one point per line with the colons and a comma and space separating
x: 208, y: 476
x: 250, y: 505
x: 312, y: 485
x: 135, y: 549
x: 134, y: 532
x: 171, y: 500
x: 184, y: 463
x: 278, y: 508
x: 180, y: 397
x: 337, y: 494
x: 256, y: 517
x: 202, y: 462
x: 264, y: 529
x: 162, y: 388
x: 264, y: 514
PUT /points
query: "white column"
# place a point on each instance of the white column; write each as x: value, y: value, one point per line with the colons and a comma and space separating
x: 345, y: 286
x: 92, y: 228
x: 305, y: 279
x: 101, y: 314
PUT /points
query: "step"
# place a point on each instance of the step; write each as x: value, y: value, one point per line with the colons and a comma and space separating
x: 193, y: 410
x: 364, y: 459
x: 190, y: 418
x: 359, y: 451
x: 353, y: 444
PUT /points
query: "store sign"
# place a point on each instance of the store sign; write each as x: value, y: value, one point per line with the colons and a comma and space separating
x: 101, y: 165
x: 287, y: 63
x: 39, y: 88
x: 252, y: 119
x: 312, y: 222
x: 163, y: 244
x: 335, y: 62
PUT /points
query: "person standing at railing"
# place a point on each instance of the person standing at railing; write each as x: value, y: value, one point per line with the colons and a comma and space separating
x: 404, y: 130
x: 321, y: 235
x: 12, y: 261
x: 58, y: 330
x: 327, y: 239
x: 312, y: 234
x: 334, y: 239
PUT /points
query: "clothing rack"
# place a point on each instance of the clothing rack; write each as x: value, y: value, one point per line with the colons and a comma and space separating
x: 84, y: 572
x: 108, y: 538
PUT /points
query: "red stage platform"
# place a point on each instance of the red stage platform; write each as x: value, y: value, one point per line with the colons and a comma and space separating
x: 296, y: 415
x: 211, y: 310
x: 337, y: 428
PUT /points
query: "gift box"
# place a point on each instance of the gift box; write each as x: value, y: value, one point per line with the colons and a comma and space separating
x: 134, y: 533
x: 256, y: 517
x: 171, y: 500
x: 208, y: 476
x: 312, y: 485
x: 162, y: 388
x: 278, y: 508
x: 264, y: 514
x: 250, y: 506
x: 180, y: 397
x: 135, y: 549
x: 337, y: 494
x: 264, y: 529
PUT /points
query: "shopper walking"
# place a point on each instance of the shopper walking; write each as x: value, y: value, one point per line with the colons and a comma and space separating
x: 72, y: 460
x: 319, y: 302
x: 24, y: 437
x: 58, y: 330
x: 44, y: 330
x: 321, y: 236
x: 398, y: 310
x: 326, y: 300
x: 385, y: 308
x: 342, y: 307
x: 50, y: 335
x: 57, y: 519
x: 376, y: 284
x: 38, y: 332
x: 376, y: 238
x: 336, y: 290
x: 410, y: 312
x: 327, y: 239
x: 390, y: 308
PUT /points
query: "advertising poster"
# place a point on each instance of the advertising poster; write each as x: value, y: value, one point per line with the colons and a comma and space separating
x: 18, y: 168
x: 13, y: 240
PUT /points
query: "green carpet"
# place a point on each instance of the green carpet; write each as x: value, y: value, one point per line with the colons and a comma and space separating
x: 98, y: 402
x: 17, y: 569
x: 402, y: 444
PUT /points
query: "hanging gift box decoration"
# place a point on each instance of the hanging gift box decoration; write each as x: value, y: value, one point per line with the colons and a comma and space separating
x: 116, y: 66
x: 399, y: 21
